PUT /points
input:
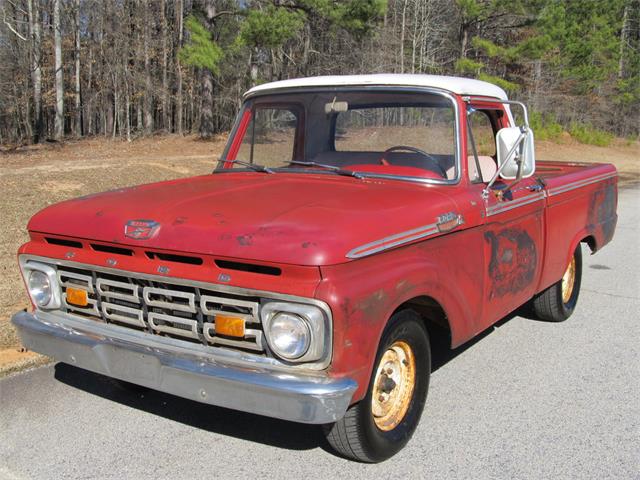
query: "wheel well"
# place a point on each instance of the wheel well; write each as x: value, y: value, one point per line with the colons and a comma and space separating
x: 434, y: 316
x: 591, y: 241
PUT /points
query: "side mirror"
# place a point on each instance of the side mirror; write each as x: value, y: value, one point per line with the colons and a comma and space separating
x: 515, y: 148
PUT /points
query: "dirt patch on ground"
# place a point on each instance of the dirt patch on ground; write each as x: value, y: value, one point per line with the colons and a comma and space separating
x: 33, y: 177
x: 623, y: 154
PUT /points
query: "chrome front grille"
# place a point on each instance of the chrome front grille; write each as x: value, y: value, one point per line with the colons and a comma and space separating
x: 179, y: 311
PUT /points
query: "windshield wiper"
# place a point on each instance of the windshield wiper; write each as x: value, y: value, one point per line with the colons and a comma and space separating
x: 338, y: 170
x: 253, y: 166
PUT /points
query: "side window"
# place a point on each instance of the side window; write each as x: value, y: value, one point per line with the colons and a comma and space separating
x: 270, y: 137
x: 485, y: 144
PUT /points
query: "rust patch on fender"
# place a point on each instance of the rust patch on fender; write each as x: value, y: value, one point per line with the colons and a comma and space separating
x: 403, y: 286
x: 513, y: 261
x: 371, y: 305
x: 245, y: 240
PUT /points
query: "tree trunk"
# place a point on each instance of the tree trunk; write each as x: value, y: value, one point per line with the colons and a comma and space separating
x: 59, y: 119
x: 166, y: 114
x: 206, y: 112
x: 148, y: 100
x: 179, y: 107
x: 206, y: 78
x: 79, y: 131
x: 464, y: 40
x: 624, y: 38
x: 36, y: 70
x: 116, y: 103
x: 89, y: 103
x: 402, y: 35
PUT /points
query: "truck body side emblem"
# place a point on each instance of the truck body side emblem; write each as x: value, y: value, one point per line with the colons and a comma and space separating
x: 141, y: 229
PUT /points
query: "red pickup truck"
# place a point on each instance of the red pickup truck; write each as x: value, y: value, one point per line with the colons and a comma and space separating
x: 348, y: 219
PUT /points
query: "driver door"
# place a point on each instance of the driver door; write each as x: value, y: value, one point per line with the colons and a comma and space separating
x: 512, y: 230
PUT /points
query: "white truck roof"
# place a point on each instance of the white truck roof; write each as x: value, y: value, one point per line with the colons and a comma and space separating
x: 458, y: 85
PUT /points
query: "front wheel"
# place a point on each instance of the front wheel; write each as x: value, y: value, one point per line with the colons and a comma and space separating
x: 557, y: 303
x: 383, y: 422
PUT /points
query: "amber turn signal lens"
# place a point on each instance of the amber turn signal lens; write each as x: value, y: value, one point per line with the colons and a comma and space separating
x: 230, y: 326
x: 77, y: 296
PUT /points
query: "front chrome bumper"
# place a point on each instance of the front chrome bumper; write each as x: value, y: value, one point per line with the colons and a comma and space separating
x: 129, y: 356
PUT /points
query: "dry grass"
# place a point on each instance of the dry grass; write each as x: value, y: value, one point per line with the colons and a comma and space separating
x: 34, y: 177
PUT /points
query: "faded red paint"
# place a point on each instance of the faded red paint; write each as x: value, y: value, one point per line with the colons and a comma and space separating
x: 306, y: 224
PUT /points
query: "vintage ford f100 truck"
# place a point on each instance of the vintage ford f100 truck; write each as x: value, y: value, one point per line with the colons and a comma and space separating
x: 348, y: 219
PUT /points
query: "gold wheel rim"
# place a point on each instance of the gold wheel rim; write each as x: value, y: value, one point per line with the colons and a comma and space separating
x: 393, y: 386
x: 568, y: 281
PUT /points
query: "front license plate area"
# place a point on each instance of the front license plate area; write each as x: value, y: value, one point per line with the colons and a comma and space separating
x: 130, y: 366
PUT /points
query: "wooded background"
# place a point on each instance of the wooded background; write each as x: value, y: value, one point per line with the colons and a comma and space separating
x: 127, y: 68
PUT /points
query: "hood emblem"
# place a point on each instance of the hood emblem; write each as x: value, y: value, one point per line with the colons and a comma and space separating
x: 141, y: 229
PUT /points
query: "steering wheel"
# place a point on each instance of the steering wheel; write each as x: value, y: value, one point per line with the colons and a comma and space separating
x: 432, y: 160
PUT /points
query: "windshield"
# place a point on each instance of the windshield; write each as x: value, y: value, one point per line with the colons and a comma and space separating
x: 373, y: 133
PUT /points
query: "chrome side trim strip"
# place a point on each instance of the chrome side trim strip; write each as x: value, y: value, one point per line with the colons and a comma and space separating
x: 581, y: 183
x: 444, y: 224
x: 393, y: 241
x: 520, y: 202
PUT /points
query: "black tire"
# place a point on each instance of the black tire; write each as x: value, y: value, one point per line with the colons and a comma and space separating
x: 549, y: 304
x: 356, y: 435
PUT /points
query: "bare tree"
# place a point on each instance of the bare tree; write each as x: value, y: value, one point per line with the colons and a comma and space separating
x: 78, y: 122
x: 148, y: 96
x: 36, y: 70
x: 180, y: 30
x: 206, y: 83
x: 57, y: 33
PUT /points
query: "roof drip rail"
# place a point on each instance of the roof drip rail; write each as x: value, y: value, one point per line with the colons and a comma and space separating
x: 469, y: 99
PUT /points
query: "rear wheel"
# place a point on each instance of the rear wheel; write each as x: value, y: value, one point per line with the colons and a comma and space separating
x: 383, y: 422
x: 558, y: 302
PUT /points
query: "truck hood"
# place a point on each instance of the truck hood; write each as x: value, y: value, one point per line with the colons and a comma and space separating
x: 301, y: 219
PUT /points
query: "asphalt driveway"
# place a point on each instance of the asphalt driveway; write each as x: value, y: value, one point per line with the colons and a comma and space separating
x: 528, y: 399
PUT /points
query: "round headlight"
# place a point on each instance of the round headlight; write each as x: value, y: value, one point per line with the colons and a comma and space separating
x: 39, y: 288
x: 289, y: 335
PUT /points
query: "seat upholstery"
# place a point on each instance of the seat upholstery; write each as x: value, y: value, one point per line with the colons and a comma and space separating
x: 488, y: 167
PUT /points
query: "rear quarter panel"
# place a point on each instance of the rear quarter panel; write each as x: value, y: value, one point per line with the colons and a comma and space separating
x: 582, y: 203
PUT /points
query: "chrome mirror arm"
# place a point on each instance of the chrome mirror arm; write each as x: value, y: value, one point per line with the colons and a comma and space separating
x: 516, y: 145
